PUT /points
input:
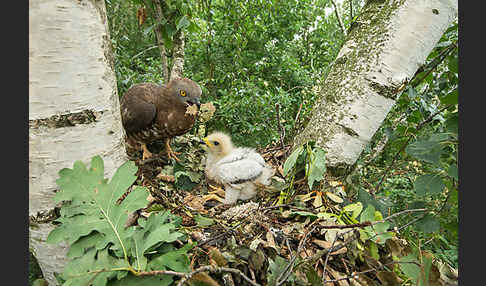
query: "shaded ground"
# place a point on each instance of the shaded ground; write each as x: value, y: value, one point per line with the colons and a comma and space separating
x: 277, y: 238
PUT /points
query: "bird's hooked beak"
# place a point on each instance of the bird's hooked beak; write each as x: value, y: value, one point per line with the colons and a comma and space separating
x: 192, y: 101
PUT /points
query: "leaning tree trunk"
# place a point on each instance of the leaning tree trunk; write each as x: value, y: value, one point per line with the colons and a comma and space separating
x: 384, y: 48
x: 73, y: 108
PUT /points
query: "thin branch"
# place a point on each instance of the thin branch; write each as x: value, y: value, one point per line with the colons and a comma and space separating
x: 280, y: 127
x: 214, y: 269
x: 288, y: 269
x: 355, y: 275
x: 350, y: 11
x: 338, y: 17
x: 327, y: 258
x: 419, y: 126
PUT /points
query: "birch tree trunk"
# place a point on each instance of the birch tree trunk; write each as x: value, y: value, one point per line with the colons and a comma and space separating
x: 388, y: 43
x: 73, y: 108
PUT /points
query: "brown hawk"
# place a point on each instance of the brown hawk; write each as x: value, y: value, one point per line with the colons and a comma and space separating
x: 151, y: 112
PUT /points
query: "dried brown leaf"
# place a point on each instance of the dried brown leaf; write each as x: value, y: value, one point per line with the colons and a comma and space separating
x: 326, y: 245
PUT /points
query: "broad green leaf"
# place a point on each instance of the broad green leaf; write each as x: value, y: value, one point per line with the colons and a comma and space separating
x: 291, y: 160
x: 428, y: 184
x: 318, y: 166
x: 174, y: 259
x: 426, y: 150
x: 79, y: 247
x: 182, y: 23
x: 100, y: 210
x: 355, y: 208
x: 374, y: 251
x: 452, y: 171
x: 313, y: 277
x: 410, y: 270
x: 130, y: 280
x: 203, y: 221
x: 428, y: 224
x: 452, y: 123
x: 450, y: 98
x: 93, y: 266
x: 275, y: 268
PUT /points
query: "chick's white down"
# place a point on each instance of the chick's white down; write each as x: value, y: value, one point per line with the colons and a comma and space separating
x: 238, y: 169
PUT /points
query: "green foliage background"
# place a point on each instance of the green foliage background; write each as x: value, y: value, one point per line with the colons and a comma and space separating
x: 250, y: 55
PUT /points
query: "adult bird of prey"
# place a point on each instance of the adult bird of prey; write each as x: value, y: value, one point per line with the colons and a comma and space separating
x: 239, y: 169
x: 151, y: 112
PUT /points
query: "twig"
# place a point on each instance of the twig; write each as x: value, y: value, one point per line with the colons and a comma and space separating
x: 338, y: 17
x: 325, y: 261
x: 443, y: 54
x: 281, y: 129
x: 213, y: 269
x: 298, y: 114
x: 355, y: 275
x: 350, y: 11
x: 419, y: 126
x: 148, y: 49
x: 288, y: 269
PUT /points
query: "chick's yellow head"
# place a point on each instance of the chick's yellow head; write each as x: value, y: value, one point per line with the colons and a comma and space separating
x: 219, y: 143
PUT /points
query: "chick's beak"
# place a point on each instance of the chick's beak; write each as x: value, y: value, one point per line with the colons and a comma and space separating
x: 206, y: 141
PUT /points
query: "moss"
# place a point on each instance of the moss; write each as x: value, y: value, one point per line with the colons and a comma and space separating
x: 346, y: 75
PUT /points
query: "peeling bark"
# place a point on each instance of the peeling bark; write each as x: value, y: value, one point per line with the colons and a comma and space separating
x: 387, y: 44
x: 73, y: 107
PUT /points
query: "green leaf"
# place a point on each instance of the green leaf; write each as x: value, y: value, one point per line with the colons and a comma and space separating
x: 410, y: 270
x: 93, y: 266
x: 130, y: 279
x: 203, y: 221
x: 291, y: 160
x: 275, y: 268
x: 182, y: 23
x: 93, y: 203
x: 452, y: 123
x: 174, y: 259
x: 318, y: 166
x: 313, y: 277
x: 426, y: 150
x: 428, y: 224
x: 355, y: 208
x: 453, y: 64
x: 450, y: 98
x: 428, y: 184
x: 452, y: 171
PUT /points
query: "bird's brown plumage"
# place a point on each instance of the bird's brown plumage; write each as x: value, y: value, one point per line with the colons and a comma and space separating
x: 151, y: 112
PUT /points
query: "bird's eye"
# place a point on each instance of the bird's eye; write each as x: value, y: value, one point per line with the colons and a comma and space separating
x: 182, y: 93
x: 216, y: 143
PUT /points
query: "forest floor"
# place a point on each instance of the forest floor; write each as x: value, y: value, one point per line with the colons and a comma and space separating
x: 276, y: 238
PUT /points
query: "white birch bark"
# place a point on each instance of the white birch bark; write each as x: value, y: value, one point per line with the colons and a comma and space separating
x: 71, y: 76
x: 389, y: 42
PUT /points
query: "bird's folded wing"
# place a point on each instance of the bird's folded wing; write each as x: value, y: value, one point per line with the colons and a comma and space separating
x: 137, y: 113
x: 238, y: 171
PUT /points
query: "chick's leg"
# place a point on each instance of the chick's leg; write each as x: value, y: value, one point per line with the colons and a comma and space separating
x: 146, y: 153
x: 170, y: 152
x: 216, y: 194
